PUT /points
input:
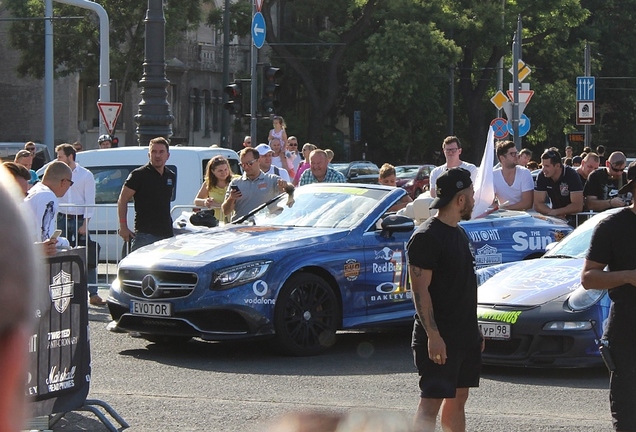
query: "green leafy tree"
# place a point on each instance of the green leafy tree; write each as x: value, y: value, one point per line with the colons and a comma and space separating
x: 240, y: 18
x: 313, y: 39
x: 401, y: 82
x: 76, y: 41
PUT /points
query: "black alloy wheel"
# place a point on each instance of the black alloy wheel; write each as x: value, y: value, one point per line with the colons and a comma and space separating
x: 307, y: 315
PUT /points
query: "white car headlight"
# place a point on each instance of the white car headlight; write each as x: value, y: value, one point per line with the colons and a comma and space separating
x: 239, y: 274
x: 582, y: 299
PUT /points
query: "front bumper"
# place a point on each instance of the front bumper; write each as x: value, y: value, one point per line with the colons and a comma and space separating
x: 532, y: 346
x: 212, y: 324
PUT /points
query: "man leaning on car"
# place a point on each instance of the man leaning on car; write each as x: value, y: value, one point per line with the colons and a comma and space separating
x: 562, y: 185
x: 601, y: 188
x: 613, y: 245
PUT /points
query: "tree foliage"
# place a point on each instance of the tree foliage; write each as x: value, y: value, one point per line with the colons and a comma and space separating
x: 76, y: 41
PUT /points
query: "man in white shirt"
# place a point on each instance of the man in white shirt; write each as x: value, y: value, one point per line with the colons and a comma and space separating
x: 265, y: 162
x: 42, y: 199
x: 73, y: 221
x: 452, y: 149
x: 514, y: 187
x: 292, y: 146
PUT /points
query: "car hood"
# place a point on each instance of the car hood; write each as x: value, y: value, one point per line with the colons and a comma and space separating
x: 532, y: 283
x: 240, y: 241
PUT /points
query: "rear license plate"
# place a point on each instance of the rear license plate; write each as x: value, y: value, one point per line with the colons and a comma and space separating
x: 495, y: 330
x: 150, y: 308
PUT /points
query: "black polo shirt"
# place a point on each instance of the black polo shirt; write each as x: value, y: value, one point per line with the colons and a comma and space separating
x: 153, y: 194
x: 602, y: 186
x: 559, y: 191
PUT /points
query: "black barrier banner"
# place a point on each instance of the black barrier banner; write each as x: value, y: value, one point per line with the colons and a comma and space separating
x: 60, y: 371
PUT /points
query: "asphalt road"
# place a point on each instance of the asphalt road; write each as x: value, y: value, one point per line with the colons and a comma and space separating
x: 240, y: 386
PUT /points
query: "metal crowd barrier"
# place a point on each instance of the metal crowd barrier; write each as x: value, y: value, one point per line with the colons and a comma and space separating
x: 60, y: 361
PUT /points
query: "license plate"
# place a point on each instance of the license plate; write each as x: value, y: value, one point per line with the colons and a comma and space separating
x: 150, y: 308
x: 495, y: 330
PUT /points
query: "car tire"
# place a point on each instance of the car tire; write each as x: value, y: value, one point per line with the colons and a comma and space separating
x: 307, y: 316
x: 417, y: 193
x: 166, y: 340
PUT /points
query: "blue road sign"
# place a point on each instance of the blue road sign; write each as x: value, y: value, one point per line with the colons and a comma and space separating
x: 585, y: 87
x: 499, y: 127
x: 258, y: 30
x: 357, y: 126
x: 524, y: 126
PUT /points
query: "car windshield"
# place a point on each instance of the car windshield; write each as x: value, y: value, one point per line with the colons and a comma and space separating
x: 406, y: 171
x: 341, y: 167
x: 575, y: 245
x: 320, y: 207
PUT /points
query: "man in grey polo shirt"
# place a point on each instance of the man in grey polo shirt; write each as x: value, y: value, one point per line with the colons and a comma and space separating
x: 253, y: 188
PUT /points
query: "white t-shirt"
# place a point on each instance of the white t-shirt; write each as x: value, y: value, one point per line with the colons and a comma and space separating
x: 281, y: 173
x: 440, y: 169
x: 43, y: 205
x: 512, y: 193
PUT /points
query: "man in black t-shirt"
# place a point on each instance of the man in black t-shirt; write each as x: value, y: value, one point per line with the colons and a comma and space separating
x: 152, y: 187
x: 446, y: 342
x: 601, y: 189
x: 614, y: 245
x: 562, y: 185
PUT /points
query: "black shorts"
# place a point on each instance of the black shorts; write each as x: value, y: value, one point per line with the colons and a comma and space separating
x: 623, y: 385
x: 461, y: 370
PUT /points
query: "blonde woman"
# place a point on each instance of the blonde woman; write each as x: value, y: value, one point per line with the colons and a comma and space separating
x: 212, y: 193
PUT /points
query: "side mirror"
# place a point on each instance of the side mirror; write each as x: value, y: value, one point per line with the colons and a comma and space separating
x: 396, y: 223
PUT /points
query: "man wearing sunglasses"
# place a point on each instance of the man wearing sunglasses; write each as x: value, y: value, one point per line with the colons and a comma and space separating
x: 562, y: 185
x: 43, y: 201
x: 253, y: 188
x: 601, y: 189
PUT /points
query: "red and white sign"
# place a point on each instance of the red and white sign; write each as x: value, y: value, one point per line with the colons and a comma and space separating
x: 524, y: 96
x: 110, y: 113
x: 259, y: 5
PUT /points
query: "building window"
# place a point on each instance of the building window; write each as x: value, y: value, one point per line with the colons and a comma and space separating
x: 206, y: 113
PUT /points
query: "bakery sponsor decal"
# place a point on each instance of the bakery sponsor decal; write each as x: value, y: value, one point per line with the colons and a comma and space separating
x: 260, y: 288
x: 388, y: 291
x: 61, y: 291
x: 351, y: 269
x: 61, y: 338
x: 486, y: 256
x: 32, y: 390
x: 484, y: 235
x: 392, y: 264
x: 530, y: 241
x: 60, y: 379
x: 33, y: 343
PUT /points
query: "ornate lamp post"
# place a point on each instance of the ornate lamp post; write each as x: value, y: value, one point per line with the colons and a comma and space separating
x: 154, y: 118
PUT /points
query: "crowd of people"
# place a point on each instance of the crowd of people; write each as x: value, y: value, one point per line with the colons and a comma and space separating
x: 447, y: 343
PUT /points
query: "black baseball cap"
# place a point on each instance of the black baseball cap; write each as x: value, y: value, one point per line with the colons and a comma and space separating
x: 631, y: 175
x: 448, y: 184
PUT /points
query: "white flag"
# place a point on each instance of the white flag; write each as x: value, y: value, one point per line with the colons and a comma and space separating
x: 484, y: 188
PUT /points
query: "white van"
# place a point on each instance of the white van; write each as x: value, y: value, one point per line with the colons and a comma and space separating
x: 111, y: 167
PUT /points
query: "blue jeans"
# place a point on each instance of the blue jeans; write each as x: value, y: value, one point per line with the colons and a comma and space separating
x: 69, y: 228
x: 143, y: 239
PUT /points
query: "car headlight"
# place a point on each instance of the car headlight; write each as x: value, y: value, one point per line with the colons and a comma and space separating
x: 116, y: 286
x: 582, y: 299
x: 239, y: 274
x: 568, y: 325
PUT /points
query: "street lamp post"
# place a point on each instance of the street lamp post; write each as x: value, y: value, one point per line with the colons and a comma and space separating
x: 154, y: 118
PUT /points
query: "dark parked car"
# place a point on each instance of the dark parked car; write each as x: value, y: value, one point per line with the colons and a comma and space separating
x: 405, y: 173
x: 420, y: 182
x: 358, y: 171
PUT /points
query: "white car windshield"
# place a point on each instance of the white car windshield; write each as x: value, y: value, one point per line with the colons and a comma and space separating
x: 576, y: 244
x: 321, y: 207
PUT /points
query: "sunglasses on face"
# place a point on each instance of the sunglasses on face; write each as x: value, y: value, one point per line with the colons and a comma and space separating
x: 70, y: 181
x: 249, y: 163
x: 31, y: 149
x: 613, y: 167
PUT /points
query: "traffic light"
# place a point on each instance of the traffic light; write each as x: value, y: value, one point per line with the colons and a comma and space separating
x: 235, y: 92
x: 269, y: 104
x: 115, y: 142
